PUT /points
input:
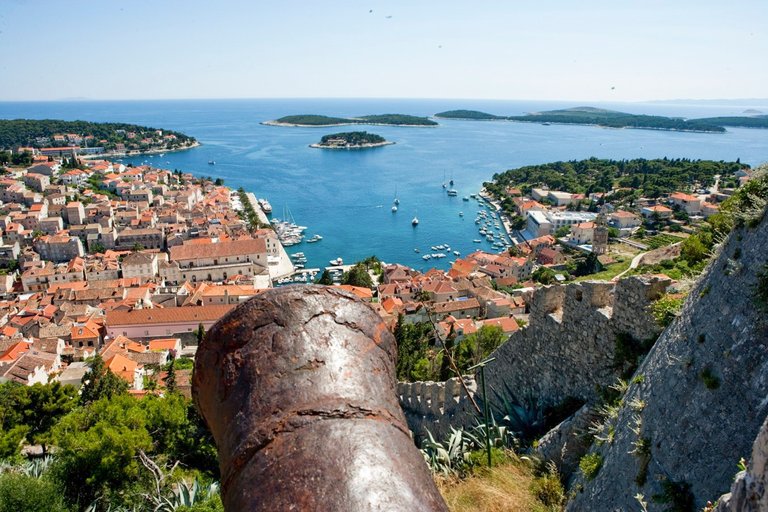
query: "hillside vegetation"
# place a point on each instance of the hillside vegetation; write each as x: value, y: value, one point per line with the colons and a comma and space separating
x: 615, y: 119
x: 351, y: 139
x: 649, y: 178
x: 389, y: 119
x: 39, y: 133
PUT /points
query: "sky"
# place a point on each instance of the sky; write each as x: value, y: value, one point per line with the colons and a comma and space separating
x: 617, y: 50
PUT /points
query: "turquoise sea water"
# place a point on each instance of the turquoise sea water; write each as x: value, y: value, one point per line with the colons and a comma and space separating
x: 346, y: 196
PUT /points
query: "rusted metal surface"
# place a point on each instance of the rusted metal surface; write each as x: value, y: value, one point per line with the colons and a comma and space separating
x: 298, y: 388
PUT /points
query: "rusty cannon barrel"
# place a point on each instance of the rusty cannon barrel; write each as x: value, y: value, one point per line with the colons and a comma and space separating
x: 298, y: 388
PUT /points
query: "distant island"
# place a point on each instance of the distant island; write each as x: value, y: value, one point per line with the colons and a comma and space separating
x: 615, y: 119
x: 87, y: 138
x: 376, y: 119
x: 351, y: 140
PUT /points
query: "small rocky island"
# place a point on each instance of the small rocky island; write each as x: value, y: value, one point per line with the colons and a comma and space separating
x: 351, y: 140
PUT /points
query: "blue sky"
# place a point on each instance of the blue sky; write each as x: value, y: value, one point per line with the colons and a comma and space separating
x: 548, y: 50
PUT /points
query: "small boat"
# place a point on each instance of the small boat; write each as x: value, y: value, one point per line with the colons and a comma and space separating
x: 416, y: 250
x: 394, y: 208
x: 465, y: 198
x: 477, y: 240
x: 426, y: 257
x: 211, y: 162
x: 452, y: 192
x: 457, y: 253
x: 415, y: 221
x: 461, y: 214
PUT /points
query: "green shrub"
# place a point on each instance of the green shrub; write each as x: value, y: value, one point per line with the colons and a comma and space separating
x: 677, y: 495
x: 590, y: 465
x: 22, y: 493
x: 666, y: 309
x: 761, y: 289
x: 711, y: 381
x: 548, y: 488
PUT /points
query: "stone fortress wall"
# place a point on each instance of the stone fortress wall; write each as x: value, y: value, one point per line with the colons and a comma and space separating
x: 567, y: 350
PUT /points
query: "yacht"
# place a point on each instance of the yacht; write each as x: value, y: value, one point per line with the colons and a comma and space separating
x: 337, y: 262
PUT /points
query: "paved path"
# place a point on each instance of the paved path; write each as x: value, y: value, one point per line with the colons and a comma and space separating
x: 635, y: 263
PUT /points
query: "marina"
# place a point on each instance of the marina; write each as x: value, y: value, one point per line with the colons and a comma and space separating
x: 347, y: 196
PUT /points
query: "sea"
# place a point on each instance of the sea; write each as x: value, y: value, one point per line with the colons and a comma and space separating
x: 346, y: 195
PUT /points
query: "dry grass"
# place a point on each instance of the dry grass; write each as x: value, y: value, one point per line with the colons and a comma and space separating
x: 506, y: 487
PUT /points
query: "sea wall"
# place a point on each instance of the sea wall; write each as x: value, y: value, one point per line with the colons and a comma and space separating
x: 566, y: 351
x: 699, y: 399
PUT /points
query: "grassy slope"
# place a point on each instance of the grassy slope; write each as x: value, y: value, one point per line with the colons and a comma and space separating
x: 506, y: 487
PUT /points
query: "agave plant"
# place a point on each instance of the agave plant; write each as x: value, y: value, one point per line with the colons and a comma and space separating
x: 449, y: 458
x: 37, y: 467
x: 523, y: 417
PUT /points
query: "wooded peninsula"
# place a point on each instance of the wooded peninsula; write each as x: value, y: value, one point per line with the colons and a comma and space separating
x: 351, y: 140
x: 615, y: 119
x: 110, y: 137
x: 374, y: 119
x: 641, y: 177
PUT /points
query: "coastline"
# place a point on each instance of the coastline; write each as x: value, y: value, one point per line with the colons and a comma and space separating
x: 113, y: 154
x: 293, y: 125
x: 585, y: 124
x: 359, y: 146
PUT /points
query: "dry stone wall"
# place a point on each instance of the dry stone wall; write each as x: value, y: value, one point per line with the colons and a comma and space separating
x: 702, y: 397
x: 567, y: 351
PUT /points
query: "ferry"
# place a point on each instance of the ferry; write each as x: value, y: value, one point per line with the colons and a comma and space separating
x: 265, y: 206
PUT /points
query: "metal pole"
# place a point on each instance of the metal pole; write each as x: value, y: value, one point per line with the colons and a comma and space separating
x: 485, y: 413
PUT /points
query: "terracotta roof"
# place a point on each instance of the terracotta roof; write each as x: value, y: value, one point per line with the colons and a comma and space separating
x: 15, y: 351
x: 168, y: 315
x: 164, y: 344
x: 363, y: 293
x: 456, y: 305
x: 219, y: 250
x: 122, y: 366
x: 507, y: 324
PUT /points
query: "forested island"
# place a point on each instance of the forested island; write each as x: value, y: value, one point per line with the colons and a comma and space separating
x: 615, y: 119
x: 351, y: 140
x: 374, y: 119
x: 646, y: 178
x: 90, y: 138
